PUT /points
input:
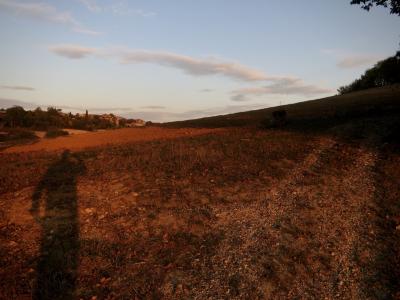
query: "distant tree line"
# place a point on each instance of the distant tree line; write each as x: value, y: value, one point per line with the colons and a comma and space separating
x: 38, y: 119
x: 385, y: 72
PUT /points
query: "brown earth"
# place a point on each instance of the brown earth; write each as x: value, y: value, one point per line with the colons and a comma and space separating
x: 243, y: 213
x: 108, y: 137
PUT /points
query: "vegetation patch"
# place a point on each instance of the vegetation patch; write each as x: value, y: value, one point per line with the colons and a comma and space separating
x: 53, y: 133
x: 16, y: 134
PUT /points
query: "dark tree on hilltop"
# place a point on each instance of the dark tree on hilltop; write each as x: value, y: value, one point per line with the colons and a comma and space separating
x: 367, y: 4
x: 385, y: 72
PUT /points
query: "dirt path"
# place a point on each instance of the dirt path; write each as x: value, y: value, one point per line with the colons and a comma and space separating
x: 109, y: 137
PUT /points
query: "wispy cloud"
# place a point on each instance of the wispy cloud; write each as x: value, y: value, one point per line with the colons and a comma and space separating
x: 241, y: 95
x: 6, y: 103
x: 44, y: 12
x: 153, y: 107
x: 357, y: 61
x: 201, y: 67
x: 91, y: 5
x: 190, y: 65
x: 348, y: 60
x: 17, y: 87
x: 120, y: 8
x: 207, y: 90
x: 292, y: 86
x: 87, y: 31
x: 72, y: 51
x: 166, y: 116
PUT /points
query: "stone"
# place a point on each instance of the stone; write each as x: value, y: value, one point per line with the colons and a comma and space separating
x: 89, y: 210
x: 12, y: 244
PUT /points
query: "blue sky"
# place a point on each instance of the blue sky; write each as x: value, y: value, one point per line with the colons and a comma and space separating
x: 168, y: 60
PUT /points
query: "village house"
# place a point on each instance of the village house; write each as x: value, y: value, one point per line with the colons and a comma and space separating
x: 135, y: 123
x: 113, y: 119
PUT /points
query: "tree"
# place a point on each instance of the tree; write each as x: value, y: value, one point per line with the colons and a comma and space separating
x: 15, y: 116
x: 385, y: 72
x: 368, y: 4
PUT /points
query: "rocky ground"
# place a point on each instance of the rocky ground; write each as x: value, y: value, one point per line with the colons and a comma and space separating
x: 233, y: 214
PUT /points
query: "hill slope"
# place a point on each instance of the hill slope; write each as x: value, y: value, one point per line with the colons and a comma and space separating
x: 369, y: 102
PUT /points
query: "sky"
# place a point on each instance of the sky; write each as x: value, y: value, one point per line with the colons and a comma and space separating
x: 179, y: 59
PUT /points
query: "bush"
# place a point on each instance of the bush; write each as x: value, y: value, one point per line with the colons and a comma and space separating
x: 278, y: 119
x: 53, y: 133
x: 17, y: 134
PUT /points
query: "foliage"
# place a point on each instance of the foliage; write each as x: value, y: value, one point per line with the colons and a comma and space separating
x: 17, y: 134
x: 278, y: 119
x: 18, y: 117
x: 385, y: 72
x: 54, y: 132
x: 15, y: 116
x: 394, y: 5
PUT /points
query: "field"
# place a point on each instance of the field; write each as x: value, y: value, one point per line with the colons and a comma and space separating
x: 78, y: 140
x: 192, y: 211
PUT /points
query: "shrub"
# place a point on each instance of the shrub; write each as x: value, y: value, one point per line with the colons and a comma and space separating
x: 53, y: 133
x: 278, y: 119
x: 17, y: 134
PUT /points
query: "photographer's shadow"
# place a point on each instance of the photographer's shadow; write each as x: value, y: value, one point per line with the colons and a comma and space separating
x: 55, y: 207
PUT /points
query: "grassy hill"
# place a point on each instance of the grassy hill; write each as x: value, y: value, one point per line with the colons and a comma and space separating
x: 323, y: 112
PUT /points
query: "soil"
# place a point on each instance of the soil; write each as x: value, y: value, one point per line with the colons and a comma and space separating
x: 199, y: 214
x: 78, y: 141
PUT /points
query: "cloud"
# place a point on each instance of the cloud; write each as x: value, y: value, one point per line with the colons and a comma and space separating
x: 348, y: 60
x: 6, y: 103
x: 143, y: 13
x: 153, y: 107
x: 17, y: 87
x: 240, y: 96
x: 200, y: 67
x: 44, y: 12
x: 72, y: 51
x: 292, y: 86
x: 207, y: 90
x: 165, y: 116
x: 190, y: 65
x: 86, y: 31
x: 120, y: 8
x: 357, y: 61
x: 91, y: 5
